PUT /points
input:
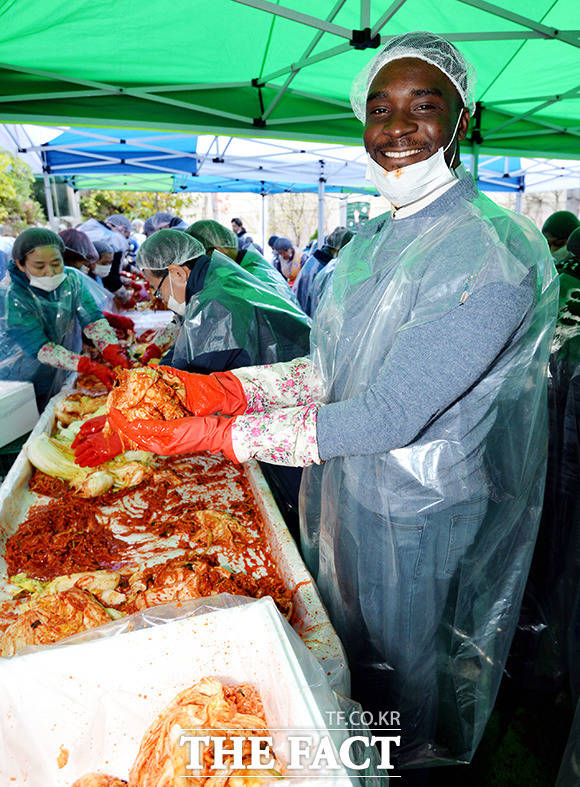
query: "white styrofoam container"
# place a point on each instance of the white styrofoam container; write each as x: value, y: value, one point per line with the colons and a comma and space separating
x: 313, y: 625
x: 96, y: 699
x: 18, y: 410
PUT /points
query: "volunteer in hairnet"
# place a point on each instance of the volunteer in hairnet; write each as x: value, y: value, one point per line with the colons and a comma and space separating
x: 230, y: 319
x: 557, y: 229
x: 315, y: 264
x: 421, y: 414
x: 216, y: 237
x: 44, y: 309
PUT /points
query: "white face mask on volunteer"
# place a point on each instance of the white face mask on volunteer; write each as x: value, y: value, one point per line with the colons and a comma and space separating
x: 409, y: 184
x: 47, y: 283
x: 174, y: 305
x: 102, y: 270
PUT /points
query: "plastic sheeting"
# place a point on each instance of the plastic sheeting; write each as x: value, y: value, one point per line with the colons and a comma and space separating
x: 236, y: 639
x: 234, y: 310
x: 258, y: 266
x: 542, y: 656
x: 59, y: 315
x: 421, y: 555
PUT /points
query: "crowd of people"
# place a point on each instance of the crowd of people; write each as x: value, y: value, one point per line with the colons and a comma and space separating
x: 392, y: 382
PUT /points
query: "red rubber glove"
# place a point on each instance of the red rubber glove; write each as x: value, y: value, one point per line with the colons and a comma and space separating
x: 220, y: 392
x: 119, y: 321
x: 181, y: 436
x: 89, y: 427
x: 115, y: 355
x: 94, y: 449
x: 105, y: 375
x: 153, y: 351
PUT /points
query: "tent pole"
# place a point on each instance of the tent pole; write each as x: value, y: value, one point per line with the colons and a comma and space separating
x: 321, y: 182
x: 518, y: 206
x: 49, y: 205
x: 343, y: 211
x: 263, y: 195
x: 474, y: 161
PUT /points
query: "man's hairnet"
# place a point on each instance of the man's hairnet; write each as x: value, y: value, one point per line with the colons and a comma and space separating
x: 272, y: 241
x: 422, y: 45
x: 560, y: 224
x: 573, y: 244
x: 118, y: 220
x: 103, y: 247
x: 79, y: 243
x: 338, y: 238
x: 283, y: 244
x: 32, y: 239
x: 167, y: 247
x: 164, y: 220
x: 213, y: 234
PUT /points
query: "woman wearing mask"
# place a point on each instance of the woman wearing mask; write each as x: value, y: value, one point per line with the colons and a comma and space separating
x: 44, y: 309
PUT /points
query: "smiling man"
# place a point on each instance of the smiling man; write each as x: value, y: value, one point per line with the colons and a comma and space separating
x: 420, y: 413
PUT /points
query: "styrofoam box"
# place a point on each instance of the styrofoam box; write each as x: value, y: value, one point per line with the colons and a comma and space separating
x: 97, y: 699
x: 18, y: 410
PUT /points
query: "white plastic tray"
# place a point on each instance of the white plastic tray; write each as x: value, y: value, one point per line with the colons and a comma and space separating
x: 96, y: 699
x: 313, y: 623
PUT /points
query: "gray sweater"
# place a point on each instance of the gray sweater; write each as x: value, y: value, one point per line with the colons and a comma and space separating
x: 430, y: 367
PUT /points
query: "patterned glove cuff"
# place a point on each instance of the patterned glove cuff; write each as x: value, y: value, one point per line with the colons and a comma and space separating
x: 101, y: 333
x: 58, y: 356
x: 281, y: 437
x: 286, y: 384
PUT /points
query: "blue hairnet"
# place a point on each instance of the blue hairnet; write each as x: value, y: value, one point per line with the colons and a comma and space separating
x: 118, y: 220
x: 103, y: 247
x: 148, y: 228
x: 164, y: 220
x: 33, y: 238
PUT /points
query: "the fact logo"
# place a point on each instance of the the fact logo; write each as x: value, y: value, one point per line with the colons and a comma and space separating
x: 305, y: 752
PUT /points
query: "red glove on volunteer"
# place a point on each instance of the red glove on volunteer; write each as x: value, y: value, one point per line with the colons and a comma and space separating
x: 105, y: 375
x: 119, y: 321
x: 115, y: 355
x: 94, y: 449
x: 152, y: 351
x: 220, y: 392
x: 93, y: 425
x: 182, y: 436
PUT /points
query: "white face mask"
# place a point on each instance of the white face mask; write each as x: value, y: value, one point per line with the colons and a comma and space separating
x: 102, y: 270
x: 561, y: 254
x: 408, y: 184
x: 47, y: 283
x: 175, y: 306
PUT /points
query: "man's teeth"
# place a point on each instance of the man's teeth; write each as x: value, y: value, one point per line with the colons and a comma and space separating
x: 403, y: 154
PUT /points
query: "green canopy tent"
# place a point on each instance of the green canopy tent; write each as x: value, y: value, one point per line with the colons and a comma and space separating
x: 255, y: 67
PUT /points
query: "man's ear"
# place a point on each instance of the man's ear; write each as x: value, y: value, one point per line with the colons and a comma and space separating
x: 20, y: 265
x: 179, y: 272
x: 463, y: 125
